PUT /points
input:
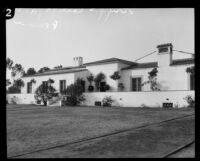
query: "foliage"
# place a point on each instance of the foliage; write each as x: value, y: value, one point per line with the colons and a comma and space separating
x: 107, y: 87
x: 8, y: 82
x: 190, y: 101
x: 190, y: 70
x: 58, y: 67
x: 17, y: 69
x: 98, y: 79
x: 115, y: 76
x: 121, y: 86
x: 90, y: 79
x: 50, y: 81
x: 74, y: 93
x: 33, y: 80
x: 18, y: 83
x: 41, y: 70
x: 90, y: 88
x: 107, y: 101
x: 45, y: 92
x: 152, y: 80
x: 9, y: 63
x: 31, y: 71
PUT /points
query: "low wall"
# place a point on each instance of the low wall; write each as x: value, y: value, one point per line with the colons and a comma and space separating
x: 20, y: 98
x: 140, y: 99
x: 122, y: 99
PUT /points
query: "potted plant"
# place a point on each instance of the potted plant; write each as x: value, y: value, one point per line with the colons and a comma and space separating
x: 90, y: 80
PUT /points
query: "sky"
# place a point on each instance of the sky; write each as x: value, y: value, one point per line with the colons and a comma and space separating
x: 52, y: 37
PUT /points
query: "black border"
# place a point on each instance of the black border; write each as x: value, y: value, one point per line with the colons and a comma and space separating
x: 89, y: 4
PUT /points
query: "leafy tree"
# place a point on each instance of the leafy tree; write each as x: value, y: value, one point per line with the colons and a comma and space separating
x: 9, y: 63
x: 152, y: 80
x: 18, y: 83
x: 41, y: 70
x: 45, y: 92
x: 98, y: 79
x: 58, y: 67
x: 17, y: 69
x: 16, y: 87
x: 31, y: 71
x: 74, y: 93
x: 8, y: 82
x: 115, y: 76
x: 90, y: 80
x: 190, y: 70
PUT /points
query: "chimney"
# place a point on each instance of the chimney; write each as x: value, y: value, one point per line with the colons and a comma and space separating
x: 165, y: 52
x: 78, y: 61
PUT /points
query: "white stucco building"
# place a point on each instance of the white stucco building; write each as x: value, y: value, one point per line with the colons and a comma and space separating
x: 172, y: 75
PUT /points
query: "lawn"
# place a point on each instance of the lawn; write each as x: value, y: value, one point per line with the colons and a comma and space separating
x: 31, y: 127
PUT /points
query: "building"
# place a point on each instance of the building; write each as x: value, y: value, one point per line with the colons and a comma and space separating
x: 171, y: 76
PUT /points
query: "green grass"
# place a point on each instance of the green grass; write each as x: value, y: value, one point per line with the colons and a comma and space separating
x: 30, y: 127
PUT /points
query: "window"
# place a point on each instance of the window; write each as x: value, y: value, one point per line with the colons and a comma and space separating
x: 29, y: 87
x: 136, y: 84
x: 191, y: 81
x: 83, y: 85
x: 62, y: 86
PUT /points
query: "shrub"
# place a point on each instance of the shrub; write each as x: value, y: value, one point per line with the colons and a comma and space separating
x: 74, y: 93
x: 45, y: 92
x: 107, y: 101
x: 90, y: 88
x: 190, y: 101
x: 98, y: 79
x: 115, y: 76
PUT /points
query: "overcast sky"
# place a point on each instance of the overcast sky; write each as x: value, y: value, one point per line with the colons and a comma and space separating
x: 42, y: 37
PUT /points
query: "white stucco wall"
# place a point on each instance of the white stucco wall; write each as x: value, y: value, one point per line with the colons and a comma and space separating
x: 69, y: 77
x: 122, y: 99
x: 168, y: 77
x: 108, y: 70
x: 139, y: 99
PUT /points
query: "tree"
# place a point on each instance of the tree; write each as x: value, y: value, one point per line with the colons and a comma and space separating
x: 45, y: 92
x: 41, y: 70
x: 9, y: 63
x: 16, y: 87
x: 115, y: 76
x: 152, y: 80
x: 74, y: 93
x: 31, y: 71
x: 8, y: 82
x: 190, y: 70
x: 58, y: 67
x: 17, y: 69
x: 90, y: 80
x: 98, y: 79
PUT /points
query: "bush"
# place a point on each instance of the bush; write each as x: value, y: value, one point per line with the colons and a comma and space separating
x: 45, y: 92
x: 107, y: 101
x: 190, y: 101
x: 74, y: 93
x: 90, y: 88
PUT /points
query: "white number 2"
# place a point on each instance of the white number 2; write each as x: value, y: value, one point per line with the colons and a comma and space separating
x: 8, y: 12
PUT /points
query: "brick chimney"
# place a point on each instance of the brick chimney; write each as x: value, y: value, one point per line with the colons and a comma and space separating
x: 165, y: 52
x: 78, y: 61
